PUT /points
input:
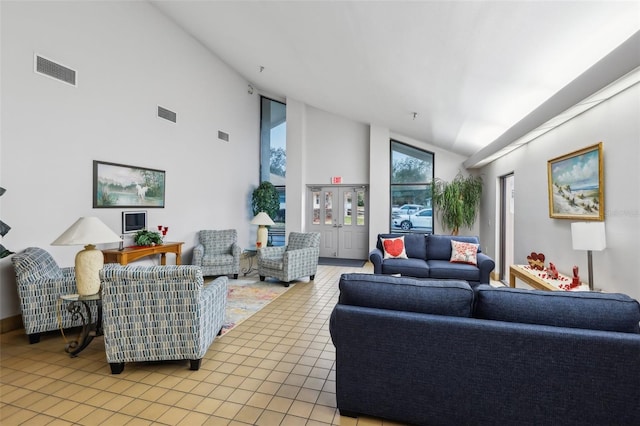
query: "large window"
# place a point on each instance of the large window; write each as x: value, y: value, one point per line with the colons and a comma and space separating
x: 273, y: 158
x: 411, y: 180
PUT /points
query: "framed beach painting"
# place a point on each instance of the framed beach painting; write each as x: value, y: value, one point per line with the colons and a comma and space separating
x: 576, y: 185
x: 119, y: 185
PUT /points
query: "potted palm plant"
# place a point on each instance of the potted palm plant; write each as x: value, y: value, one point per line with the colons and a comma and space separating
x: 458, y: 201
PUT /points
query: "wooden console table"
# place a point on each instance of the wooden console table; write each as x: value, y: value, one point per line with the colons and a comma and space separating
x: 536, y: 279
x: 129, y: 254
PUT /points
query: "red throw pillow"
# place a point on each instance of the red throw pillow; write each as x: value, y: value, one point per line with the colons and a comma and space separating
x: 394, y: 248
x: 464, y: 252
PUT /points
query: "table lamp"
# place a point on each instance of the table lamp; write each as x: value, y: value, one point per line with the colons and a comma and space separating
x: 262, y: 220
x: 588, y: 236
x: 87, y: 231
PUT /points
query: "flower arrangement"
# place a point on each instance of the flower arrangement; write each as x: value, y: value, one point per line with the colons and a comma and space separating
x: 145, y: 237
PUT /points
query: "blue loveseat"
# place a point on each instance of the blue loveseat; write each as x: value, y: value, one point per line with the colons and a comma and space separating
x: 428, y: 256
x: 437, y: 352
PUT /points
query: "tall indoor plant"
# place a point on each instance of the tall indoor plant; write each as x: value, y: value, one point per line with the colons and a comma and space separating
x: 458, y: 201
x: 265, y: 199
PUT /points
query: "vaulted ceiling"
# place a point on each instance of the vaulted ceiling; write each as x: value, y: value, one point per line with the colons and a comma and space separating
x: 455, y: 74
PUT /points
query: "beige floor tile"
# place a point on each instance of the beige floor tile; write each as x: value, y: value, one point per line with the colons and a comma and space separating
x: 228, y: 410
x: 174, y: 415
x: 248, y: 414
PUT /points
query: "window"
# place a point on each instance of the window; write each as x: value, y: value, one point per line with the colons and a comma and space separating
x: 411, y: 179
x: 273, y: 158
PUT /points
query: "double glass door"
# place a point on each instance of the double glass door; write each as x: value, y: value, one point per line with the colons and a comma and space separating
x: 340, y: 214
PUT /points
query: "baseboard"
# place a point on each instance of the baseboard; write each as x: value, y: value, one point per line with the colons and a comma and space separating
x: 10, y: 323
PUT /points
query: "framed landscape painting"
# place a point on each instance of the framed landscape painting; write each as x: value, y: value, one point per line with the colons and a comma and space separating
x: 576, y: 185
x: 119, y: 185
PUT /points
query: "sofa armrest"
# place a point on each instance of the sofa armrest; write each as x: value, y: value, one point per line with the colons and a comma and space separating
x: 213, y: 301
x: 198, y: 254
x: 296, y: 257
x: 236, y: 250
x: 271, y: 252
x: 376, y: 256
x: 486, y: 265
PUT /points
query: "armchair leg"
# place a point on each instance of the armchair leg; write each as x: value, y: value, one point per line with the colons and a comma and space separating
x: 261, y: 277
x: 33, y: 338
x: 286, y: 284
x: 195, y: 364
x: 116, y: 367
x: 312, y: 277
x: 235, y: 276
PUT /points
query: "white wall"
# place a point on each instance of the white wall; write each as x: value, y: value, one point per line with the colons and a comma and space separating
x: 129, y: 59
x: 616, y: 123
x: 336, y: 146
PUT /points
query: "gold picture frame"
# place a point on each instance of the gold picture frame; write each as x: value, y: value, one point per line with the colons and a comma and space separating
x: 576, y: 185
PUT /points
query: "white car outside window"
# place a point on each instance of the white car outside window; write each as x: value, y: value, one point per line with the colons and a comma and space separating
x: 420, y: 219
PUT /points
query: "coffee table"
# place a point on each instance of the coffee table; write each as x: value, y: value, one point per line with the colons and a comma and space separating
x: 539, y: 280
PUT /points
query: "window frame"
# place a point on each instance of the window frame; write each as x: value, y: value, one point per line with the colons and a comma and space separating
x: 394, y: 187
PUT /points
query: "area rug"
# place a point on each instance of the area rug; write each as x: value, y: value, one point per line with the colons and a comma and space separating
x: 334, y: 261
x: 246, y: 296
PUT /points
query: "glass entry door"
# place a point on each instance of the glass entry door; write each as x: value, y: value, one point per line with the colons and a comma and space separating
x: 340, y: 214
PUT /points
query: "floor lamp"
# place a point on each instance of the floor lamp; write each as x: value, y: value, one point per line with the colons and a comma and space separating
x: 87, y: 231
x: 588, y: 236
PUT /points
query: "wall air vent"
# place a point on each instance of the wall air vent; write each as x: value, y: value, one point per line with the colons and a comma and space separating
x: 167, y: 114
x: 223, y: 136
x: 51, y: 69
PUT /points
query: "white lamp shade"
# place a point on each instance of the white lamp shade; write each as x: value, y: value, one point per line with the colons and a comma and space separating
x: 588, y: 236
x: 262, y: 219
x: 87, y: 230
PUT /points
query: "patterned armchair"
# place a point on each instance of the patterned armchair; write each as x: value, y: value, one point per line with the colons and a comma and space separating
x: 218, y: 252
x: 155, y: 313
x: 40, y: 283
x: 297, y: 259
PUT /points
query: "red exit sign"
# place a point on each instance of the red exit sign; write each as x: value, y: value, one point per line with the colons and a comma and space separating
x: 336, y: 179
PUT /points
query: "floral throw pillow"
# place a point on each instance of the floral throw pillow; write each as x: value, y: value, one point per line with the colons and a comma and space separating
x: 464, y: 252
x: 394, y: 248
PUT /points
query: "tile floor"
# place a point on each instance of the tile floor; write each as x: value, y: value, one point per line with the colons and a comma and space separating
x: 276, y: 368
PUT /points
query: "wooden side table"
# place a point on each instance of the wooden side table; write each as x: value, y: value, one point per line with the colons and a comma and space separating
x: 130, y: 254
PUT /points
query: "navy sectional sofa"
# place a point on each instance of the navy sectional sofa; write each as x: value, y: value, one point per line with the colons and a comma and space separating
x: 437, y: 352
x: 428, y: 256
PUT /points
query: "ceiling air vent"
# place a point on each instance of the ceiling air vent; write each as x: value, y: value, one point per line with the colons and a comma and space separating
x: 51, y: 69
x: 223, y: 136
x: 167, y: 114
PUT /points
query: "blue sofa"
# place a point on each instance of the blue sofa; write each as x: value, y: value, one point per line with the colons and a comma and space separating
x: 437, y: 352
x: 429, y: 257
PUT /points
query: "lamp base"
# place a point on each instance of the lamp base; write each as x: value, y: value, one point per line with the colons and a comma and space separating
x: 263, y: 236
x: 88, y: 264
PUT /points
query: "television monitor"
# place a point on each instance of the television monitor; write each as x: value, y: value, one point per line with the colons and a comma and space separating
x: 133, y: 221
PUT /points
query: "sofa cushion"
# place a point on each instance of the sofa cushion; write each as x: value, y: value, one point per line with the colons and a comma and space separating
x: 580, y: 309
x: 394, y: 247
x: 451, y: 298
x: 414, y: 244
x: 410, y: 267
x: 443, y: 269
x: 462, y: 252
x: 439, y: 246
